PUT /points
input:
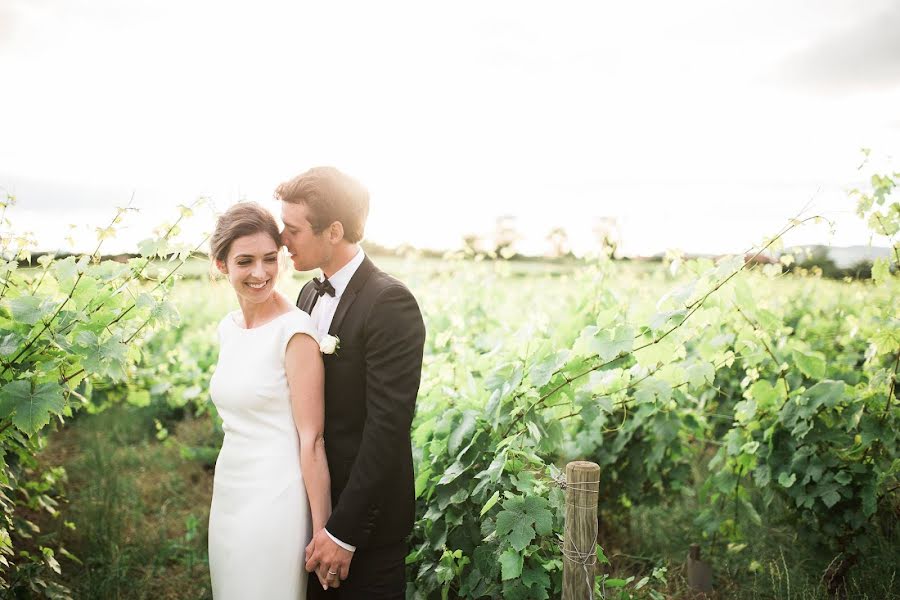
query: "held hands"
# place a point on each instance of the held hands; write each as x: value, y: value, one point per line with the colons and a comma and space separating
x: 330, y: 562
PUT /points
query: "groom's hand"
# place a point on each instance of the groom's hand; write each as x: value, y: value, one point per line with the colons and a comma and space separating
x: 328, y: 557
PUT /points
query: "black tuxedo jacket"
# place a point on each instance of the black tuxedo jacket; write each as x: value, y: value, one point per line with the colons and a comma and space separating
x: 371, y: 384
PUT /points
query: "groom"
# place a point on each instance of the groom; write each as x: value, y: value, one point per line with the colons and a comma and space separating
x: 371, y: 383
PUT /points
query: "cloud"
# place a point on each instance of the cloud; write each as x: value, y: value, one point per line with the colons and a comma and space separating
x: 862, y: 58
x: 7, y: 24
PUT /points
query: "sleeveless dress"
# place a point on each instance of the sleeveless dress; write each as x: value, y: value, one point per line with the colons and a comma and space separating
x: 259, y: 521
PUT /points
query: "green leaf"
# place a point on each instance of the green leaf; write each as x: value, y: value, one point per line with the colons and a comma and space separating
x: 825, y: 393
x: 887, y: 340
x: 869, y: 500
x: 752, y: 513
x: 768, y: 320
x: 461, y: 433
x: 843, y: 478
x: 10, y: 395
x: 536, y: 508
x: 763, y: 392
x: 700, y: 374
x: 422, y: 481
x: 443, y: 573
x: 490, y: 503
x: 9, y: 343
x: 511, y: 563
x: 812, y: 364
x: 521, y: 535
x: 506, y: 520
x: 830, y: 498
x: 452, y: 472
x: 517, y: 520
x: 459, y: 496
x: 883, y: 224
x: 536, y: 576
x: 588, y: 413
x: 667, y: 319
x: 744, y: 411
x: 494, y: 470
x: 139, y: 398
x: 105, y: 233
x: 50, y: 560
x: 762, y: 475
x: 32, y: 408
x: 29, y: 309
x: 663, y: 351
x: 787, y: 481
x: 815, y: 470
x: 881, y: 271
x: 541, y: 373
x: 652, y: 390
x: 750, y: 447
x: 65, y: 271
x: 150, y: 247
x: 114, y: 350
x: 609, y: 343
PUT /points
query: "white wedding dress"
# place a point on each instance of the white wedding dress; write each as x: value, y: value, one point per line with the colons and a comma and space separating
x: 259, y: 522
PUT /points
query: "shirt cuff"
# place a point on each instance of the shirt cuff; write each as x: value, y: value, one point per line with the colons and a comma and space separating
x: 347, y: 547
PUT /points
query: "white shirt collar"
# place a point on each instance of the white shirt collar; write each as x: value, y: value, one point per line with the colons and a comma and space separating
x: 340, y: 279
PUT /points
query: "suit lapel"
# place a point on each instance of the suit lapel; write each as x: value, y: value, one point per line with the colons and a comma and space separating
x: 356, y: 283
x: 305, y: 299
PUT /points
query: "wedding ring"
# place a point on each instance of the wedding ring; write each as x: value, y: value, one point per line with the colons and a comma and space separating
x: 332, y: 573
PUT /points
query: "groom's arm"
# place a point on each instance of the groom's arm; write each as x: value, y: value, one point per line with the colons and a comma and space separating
x: 395, y: 339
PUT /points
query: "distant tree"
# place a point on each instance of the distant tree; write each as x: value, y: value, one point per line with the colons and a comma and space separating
x: 607, y: 234
x: 376, y: 249
x: 759, y: 259
x: 816, y: 260
x: 860, y: 270
x: 558, y: 238
x: 505, y: 236
x: 472, y: 243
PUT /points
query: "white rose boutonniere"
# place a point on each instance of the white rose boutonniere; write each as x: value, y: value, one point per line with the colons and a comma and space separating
x: 329, y: 344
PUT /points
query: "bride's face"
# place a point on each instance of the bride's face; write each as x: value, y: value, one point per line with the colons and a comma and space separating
x: 252, y: 267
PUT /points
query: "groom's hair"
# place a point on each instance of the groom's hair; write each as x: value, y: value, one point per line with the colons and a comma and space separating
x: 329, y: 196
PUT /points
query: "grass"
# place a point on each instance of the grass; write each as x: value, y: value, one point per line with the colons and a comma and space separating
x: 139, y: 510
x: 777, y: 561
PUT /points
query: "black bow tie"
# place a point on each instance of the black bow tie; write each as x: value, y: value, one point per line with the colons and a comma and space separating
x: 323, y: 287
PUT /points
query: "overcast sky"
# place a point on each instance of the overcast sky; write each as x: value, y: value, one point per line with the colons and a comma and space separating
x: 700, y: 125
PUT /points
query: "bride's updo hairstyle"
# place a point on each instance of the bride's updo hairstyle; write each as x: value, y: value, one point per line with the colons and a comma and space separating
x: 244, y: 218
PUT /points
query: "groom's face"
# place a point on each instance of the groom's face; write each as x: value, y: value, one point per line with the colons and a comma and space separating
x: 308, y: 250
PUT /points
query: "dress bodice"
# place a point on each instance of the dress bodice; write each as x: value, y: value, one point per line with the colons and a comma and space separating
x: 249, y: 386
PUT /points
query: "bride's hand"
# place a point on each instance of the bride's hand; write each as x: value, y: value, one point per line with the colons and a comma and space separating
x: 329, y: 560
x: 310, y: 548
x: 320, y: 570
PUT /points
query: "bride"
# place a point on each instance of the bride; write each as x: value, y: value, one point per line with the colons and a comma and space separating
x: 271, y: 490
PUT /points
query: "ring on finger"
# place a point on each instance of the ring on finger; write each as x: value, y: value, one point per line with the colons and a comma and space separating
x: 332, y: 573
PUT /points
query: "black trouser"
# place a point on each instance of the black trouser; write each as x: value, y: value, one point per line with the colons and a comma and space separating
x: 375, y: 574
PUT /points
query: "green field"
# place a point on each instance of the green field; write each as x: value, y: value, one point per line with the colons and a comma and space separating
x: 685, y: 457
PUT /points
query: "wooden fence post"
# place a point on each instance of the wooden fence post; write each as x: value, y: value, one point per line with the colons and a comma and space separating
x: 580, y: 537
x: 699, y: 573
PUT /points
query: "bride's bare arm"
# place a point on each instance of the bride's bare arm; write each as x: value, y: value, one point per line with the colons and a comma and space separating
x: 306, y: 380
